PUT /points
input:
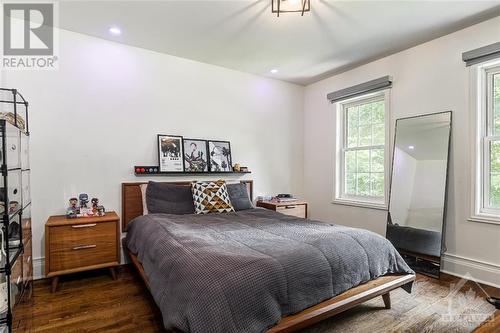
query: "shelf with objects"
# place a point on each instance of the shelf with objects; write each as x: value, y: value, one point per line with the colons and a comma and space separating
x: 16, y: 267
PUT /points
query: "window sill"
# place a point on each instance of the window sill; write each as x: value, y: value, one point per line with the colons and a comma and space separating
x: 484, y: 218
x: 362, y: 204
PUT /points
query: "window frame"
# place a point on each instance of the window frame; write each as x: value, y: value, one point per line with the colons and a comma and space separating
x: 339, y: 195
x: 482, y: 133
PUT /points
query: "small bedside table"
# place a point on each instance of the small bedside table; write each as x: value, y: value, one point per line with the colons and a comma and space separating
x: 81, y: 244
x: 294, y: 208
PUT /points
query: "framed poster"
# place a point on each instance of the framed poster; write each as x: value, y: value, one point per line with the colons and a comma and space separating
x: 219, y: 156
x: 195, y: 155
x: 170, y: 152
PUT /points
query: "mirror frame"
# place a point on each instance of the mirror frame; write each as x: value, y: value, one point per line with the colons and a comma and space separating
x: 445, y: 202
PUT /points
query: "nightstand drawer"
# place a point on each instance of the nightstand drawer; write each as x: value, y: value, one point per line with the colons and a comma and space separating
x: 292, y: 210
x: 81, y: 245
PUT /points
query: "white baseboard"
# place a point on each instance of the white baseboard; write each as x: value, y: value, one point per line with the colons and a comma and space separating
x: 477, y: 270
x: 480, y: 271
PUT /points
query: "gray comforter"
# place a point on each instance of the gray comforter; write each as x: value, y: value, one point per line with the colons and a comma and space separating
x: 243, y: 271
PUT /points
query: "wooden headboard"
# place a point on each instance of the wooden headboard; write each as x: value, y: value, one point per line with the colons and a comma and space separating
x: 132, y: 199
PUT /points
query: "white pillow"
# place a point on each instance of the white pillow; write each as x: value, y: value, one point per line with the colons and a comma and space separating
x: 144, y: 187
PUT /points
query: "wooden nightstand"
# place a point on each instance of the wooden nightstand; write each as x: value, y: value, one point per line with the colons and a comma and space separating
x: 294, y: 208
x: 81, y: 244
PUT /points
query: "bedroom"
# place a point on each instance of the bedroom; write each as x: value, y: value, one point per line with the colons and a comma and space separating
x: 235, y: 71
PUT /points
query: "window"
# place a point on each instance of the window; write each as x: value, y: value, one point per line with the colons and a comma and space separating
x: 486, y: 183
x: 361, y: 170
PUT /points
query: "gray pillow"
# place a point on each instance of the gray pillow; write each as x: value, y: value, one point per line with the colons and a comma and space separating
x: 169, y: 199
x: 238, y: 195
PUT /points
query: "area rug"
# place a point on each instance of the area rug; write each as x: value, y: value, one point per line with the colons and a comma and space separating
x: 459, y: 308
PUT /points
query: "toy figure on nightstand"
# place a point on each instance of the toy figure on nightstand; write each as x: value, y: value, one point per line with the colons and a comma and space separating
x: 101, y: 211
x: 83, y: 210
x: 84, y: 199
x: 73, y: 210
x: 95, y: 203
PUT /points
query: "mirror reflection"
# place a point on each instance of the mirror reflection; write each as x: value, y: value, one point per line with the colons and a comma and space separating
x: 418, y: 187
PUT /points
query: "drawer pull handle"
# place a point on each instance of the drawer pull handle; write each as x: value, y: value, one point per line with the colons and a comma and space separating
x: 84, y: 225
x: 81, y: 247
x: 290, y: 207
x: 28, y: 260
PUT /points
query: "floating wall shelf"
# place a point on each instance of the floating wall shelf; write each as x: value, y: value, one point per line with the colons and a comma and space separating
x: 153, y: 171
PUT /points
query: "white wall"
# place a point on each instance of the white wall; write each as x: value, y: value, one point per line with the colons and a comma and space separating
x: 98, y: 115
x: 427, y: 78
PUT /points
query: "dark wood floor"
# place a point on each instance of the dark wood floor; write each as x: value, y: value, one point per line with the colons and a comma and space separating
x: 93, y: 302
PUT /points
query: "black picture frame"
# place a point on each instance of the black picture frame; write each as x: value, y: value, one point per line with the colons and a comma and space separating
x: 169, y: 163
x: 214, y: 160
x: 196, y: 161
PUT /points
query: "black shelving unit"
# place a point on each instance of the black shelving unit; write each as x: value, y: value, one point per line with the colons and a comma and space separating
x: 15, y: 204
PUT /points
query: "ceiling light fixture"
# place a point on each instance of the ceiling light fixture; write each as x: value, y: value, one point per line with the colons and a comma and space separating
x: 411, y: 147
x: 290, y: 6
x: 274, y: 71
x: 115, y: 31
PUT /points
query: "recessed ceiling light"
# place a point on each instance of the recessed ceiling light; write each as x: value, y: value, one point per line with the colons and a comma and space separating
x: 274, y: 71
x: 411, y: 147
x: 115, y: 31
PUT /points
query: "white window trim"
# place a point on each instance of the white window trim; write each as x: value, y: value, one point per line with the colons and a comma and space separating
x: 366, y: 202
x: 479, y: 161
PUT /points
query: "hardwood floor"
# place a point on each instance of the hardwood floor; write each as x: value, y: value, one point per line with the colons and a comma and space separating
x: 93, y: 302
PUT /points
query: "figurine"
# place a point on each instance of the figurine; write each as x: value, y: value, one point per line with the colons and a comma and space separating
x: 73, y: 203
x: 101, y: 211
x: 83, y: 210
x: 95, y: 204
x: 236, y: 167
x: 13, y: 206
x: 84, y: 199
x: 73, y: 209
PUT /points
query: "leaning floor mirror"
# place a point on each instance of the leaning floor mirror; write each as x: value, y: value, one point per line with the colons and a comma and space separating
x: 417, y: 201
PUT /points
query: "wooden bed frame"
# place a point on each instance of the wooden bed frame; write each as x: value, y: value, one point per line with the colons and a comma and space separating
x: 132, y: 207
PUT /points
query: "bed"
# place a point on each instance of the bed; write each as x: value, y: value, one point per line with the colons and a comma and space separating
x: 255, y: 270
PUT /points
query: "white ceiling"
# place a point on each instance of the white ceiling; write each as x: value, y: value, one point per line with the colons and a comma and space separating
x: 244, y: 35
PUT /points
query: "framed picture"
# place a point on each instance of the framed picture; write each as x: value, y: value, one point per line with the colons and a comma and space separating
x: 170, y: 152
x: 219, y: 156
x: 195, y: 155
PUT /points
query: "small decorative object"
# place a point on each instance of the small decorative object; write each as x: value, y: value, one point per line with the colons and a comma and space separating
x: 73, y: 209
x: 236, y: 167
x: 243, y: 169
x: 170, y: 153
x: 83, y: 210
x: 290, y: 6
x: 195, y: 155
x: 13, y: 206
x: 101, y: 211
x: 95, y: 203
x: 73, y: 203
x: 219, y: 156
x: 84, y: 199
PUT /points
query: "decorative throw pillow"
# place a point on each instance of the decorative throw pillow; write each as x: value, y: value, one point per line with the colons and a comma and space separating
x: 211, y: 197
x: 165, y: 198
x: 238, y: 194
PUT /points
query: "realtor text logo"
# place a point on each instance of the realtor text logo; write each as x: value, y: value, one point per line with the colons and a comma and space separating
x: 28, y: 36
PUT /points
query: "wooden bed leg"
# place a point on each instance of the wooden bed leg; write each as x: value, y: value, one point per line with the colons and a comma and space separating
x: 387, y: 300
